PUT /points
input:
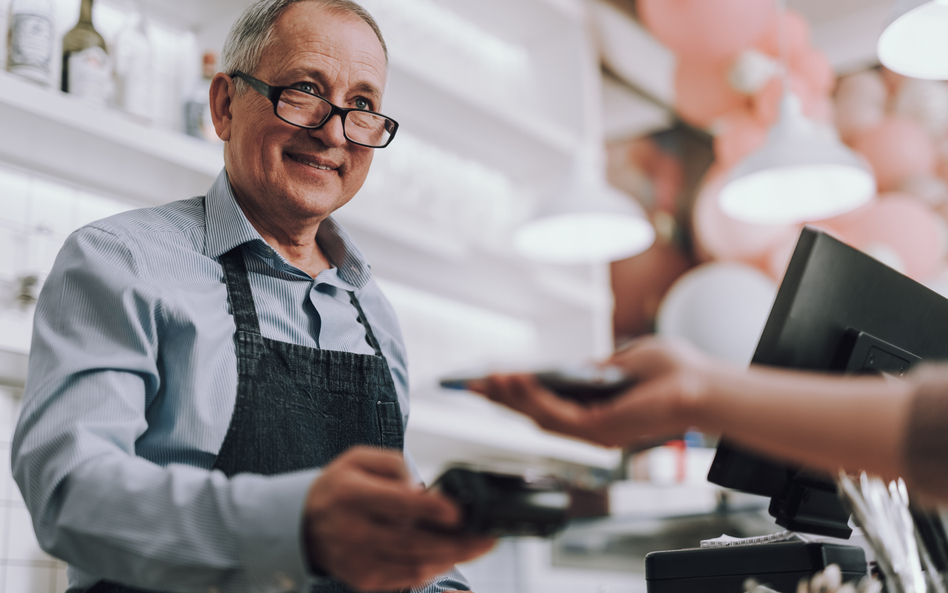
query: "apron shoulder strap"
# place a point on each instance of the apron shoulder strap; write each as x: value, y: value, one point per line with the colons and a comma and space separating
x: 238, y: 291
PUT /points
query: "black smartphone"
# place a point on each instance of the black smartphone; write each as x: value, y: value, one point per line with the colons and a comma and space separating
x: 500, y: 504
x: 583, y: 384
x: 586, y: 383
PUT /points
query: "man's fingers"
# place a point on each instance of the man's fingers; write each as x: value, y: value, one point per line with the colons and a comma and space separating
x: 383, y: 463
x: 390, y: 502
x: 372, y: 557
x: 419, y: 545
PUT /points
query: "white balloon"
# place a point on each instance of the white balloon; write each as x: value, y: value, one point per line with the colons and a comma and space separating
x: 720, y: 307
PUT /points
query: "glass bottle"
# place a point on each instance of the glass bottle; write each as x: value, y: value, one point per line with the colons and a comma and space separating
x: 133, y: 67
x: 30, y: 40
x: 87, y: 69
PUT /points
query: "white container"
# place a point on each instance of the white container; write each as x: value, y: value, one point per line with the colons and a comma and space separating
x: 30, y: 40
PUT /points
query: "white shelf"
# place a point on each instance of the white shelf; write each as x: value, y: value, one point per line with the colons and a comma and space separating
x: 527, y: 147
x: 102, y: 149
x: 48, y: 131
x: 506, y: 135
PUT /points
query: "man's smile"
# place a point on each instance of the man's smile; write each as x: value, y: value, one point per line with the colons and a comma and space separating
x: 311, y: 162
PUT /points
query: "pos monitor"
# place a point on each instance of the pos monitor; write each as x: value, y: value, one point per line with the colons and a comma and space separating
x: 837, y: 310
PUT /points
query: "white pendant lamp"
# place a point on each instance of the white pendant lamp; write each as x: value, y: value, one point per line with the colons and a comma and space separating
x: 915, y: 42
x: 802, y: 173
x: 587, y: 222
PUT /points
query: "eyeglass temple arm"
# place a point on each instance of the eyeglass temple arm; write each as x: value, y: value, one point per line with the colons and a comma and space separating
x: 257, y: 85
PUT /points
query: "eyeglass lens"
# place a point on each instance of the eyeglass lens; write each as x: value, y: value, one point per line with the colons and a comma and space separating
x: 307, y: 110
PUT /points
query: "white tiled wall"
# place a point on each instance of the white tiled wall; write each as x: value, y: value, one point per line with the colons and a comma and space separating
x: 36, y: 216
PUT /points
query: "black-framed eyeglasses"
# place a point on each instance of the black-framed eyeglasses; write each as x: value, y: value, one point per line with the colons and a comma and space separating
x: 310, y: 111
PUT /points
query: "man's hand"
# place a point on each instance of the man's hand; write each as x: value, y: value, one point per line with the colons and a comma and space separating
x: 363, y: 524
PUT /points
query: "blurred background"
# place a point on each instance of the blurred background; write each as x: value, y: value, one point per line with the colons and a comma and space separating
x: 555, y: 190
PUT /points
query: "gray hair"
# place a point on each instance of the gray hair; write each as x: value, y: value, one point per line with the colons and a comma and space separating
x: 250, y: 36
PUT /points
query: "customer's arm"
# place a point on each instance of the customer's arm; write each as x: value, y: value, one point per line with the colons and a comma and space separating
x: 95, y: 370
x: 819, y: 420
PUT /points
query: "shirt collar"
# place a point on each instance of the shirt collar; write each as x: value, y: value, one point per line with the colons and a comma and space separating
x: 227, y: 227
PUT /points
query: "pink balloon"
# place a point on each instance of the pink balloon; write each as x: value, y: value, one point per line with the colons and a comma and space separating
x: 767, y: 101
x: 702, y: 92
x: 778, y: 258
x: 780, y: 254
x: 706, y: 30
x: 867, y: 86
x: 854, y: 116
x: 942, y: 155
x: 719, y: 237
x: 740, y: 134
x: 897, y: 149
x: 815, y: 69
x: 898, y: 222
x: 939, y: 281
x: 931, y: 190
x: 794, y: 27
x: 892, y: 79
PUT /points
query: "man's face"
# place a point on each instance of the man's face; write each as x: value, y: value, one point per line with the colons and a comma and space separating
x: 285, y: 173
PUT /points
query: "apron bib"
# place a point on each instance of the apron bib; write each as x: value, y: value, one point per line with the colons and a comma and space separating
x: 298, y: 407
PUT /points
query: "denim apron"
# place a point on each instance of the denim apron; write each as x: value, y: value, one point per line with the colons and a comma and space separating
x: 298, y: 407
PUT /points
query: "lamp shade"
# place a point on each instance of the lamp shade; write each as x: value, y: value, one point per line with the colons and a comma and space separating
x: 590, y: 222
x: 915, y: 42
x: 801, y: 173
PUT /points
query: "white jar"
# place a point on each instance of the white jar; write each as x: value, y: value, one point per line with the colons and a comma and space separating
x: 30, y: 40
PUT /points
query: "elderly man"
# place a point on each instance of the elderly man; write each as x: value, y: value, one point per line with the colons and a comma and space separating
x: 217, y: 389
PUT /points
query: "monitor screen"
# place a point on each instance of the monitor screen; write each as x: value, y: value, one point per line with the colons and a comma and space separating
x: 837, y: 310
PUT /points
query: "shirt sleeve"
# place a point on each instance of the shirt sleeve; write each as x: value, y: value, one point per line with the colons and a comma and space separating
x: 93, y: 371
x: 925, y: 450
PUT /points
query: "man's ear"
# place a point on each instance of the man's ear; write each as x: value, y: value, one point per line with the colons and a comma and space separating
x: 221, y: 96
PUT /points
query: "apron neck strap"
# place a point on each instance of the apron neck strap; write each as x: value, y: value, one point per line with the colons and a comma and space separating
x: 369, y: 334
x: 238, y: 291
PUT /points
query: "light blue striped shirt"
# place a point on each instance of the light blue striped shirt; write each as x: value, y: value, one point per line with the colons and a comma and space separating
x: 132, y: 382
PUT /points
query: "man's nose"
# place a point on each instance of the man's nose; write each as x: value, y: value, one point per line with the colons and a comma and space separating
x: 331, y: 133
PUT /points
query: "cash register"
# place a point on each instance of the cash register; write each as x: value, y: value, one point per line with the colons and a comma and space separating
x: 837, y: 310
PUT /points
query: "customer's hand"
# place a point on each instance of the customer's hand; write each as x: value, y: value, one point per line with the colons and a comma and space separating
x: 364, y: 524
x: 672, y: 377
